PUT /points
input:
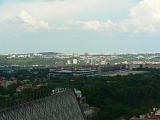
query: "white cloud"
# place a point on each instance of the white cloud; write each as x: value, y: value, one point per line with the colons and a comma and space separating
x: 49, y: 10
x: 23, y: 22
x: 93, y: 25
x: 98, y: 25
x: 30, y: 21
x: 36, y: 14
x: 144, y: 17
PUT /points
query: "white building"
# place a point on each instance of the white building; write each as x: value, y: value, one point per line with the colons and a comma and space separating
x: 75, y: 61
x: 68, y: 62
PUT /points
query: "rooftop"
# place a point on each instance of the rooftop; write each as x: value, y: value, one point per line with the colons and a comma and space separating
x: 60, y: 106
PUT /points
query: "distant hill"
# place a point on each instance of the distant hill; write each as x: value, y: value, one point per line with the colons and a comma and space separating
x: 48, y: 53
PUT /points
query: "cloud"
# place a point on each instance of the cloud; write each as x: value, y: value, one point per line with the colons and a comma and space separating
x: 95, y: 25
x: 37, y: 15
x: 48, y: 10
x: 30, y: 21
x: 144, y: 17
x: 33, y: 0
x: 23, y: 22
x: 51, y: 16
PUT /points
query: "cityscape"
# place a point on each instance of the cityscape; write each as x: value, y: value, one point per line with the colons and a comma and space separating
x: 79, y: 60
x: 51, y: 59
x: 23, y: 82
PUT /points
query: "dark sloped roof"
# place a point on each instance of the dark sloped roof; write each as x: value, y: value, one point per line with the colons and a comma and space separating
x: 60, y: 106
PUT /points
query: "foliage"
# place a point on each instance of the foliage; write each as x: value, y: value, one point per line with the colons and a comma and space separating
x: 114, y: 96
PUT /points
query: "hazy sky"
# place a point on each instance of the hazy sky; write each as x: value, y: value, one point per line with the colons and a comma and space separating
x: 96, y: 26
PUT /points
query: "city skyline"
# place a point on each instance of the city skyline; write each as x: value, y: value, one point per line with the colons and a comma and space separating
x: 73, y: 26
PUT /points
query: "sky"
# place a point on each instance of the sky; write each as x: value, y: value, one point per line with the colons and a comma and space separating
x: 79, y: 26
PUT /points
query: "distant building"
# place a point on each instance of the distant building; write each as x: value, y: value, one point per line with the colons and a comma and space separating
x: 134, y: 66
x: 20, y: 89
x: 6, y: 83
x: 155, y: 66
x: 75, y: 61
x: 72, y: 71
x: 108, y: 67
x: 68, y: 62
x: 153, y: 115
